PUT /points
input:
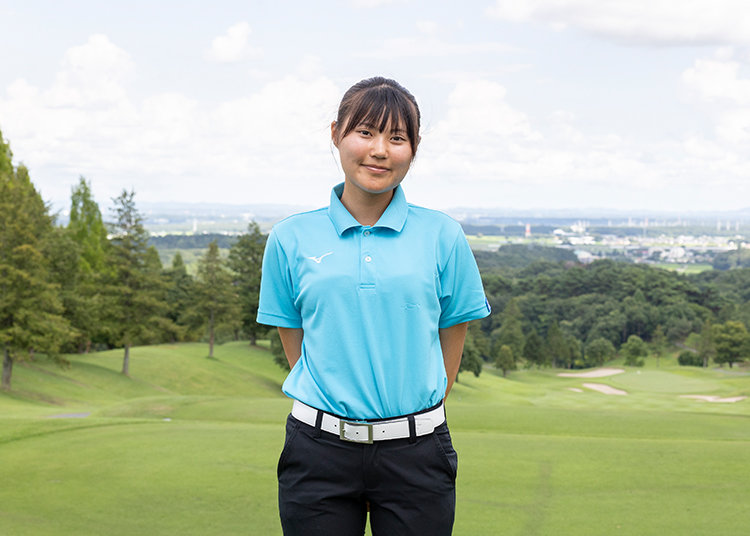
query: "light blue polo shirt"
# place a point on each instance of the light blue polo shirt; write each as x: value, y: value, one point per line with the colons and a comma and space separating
x: 370, y: 301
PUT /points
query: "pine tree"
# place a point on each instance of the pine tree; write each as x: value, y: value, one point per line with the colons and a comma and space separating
x: 245, y: 259
x: 217, y: 300
x: 30, y: 310
x: 135, y: 290
x: 81, y: 283
x: 63, y: 257
x: 87, y: 227
x: 179, y: 297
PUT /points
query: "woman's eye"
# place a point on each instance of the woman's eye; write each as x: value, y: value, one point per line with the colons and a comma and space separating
x: 364, y: 132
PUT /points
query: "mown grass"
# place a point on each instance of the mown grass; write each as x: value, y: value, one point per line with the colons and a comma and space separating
x: 188, y: 445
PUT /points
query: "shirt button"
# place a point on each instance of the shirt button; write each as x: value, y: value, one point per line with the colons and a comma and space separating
x: 367, y: 233
x: 368, y: 258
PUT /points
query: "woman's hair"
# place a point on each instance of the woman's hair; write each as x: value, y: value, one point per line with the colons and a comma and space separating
x: 377, y: 101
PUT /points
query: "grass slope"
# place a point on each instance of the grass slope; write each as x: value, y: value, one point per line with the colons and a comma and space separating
x: 188, y: 445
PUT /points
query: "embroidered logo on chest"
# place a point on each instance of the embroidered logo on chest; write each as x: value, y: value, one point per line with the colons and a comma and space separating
x: 318, y: 260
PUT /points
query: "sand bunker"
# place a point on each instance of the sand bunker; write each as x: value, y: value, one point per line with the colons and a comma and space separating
x: 718, y: 399
x: 606, y: 389
x: 598, y: 373
x: 575, y: 389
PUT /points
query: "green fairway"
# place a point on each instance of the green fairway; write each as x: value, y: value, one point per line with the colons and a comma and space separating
x: 188, y: 445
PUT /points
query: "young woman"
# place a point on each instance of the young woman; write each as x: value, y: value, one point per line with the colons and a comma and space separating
x: 371, y: 296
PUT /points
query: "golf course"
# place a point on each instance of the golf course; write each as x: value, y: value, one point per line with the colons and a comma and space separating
x: 187, y: 445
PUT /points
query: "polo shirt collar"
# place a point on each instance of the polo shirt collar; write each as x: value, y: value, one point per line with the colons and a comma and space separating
x: 394, y: 216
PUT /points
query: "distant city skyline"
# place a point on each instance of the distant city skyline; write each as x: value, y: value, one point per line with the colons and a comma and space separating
x: 543, y: 105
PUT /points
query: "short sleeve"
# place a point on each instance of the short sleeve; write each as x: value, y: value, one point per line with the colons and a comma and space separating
x: 276, y: 306
x: 461, y: 292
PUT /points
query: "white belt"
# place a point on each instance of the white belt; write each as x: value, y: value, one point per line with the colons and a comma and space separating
x: 367, y: 432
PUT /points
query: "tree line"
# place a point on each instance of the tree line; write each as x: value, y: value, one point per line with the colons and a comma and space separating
x: 572, y: 315
x: 93, y: 284
x: 96, y: 284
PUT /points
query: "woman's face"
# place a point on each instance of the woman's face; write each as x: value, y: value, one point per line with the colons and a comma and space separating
x: 373, y: 161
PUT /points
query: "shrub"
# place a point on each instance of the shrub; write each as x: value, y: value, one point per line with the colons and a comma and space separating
x: 689, y: 359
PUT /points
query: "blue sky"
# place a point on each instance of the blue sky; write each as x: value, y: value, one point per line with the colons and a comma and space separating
x: 526, y: 104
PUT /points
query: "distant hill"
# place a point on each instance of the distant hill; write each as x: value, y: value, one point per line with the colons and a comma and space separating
x: 521, y: 255
x: 193, y: 241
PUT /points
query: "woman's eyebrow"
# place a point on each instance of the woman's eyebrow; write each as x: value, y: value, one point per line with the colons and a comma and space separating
x: 373, y: 126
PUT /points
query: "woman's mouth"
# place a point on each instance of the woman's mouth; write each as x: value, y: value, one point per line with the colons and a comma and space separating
x: 375, y: 169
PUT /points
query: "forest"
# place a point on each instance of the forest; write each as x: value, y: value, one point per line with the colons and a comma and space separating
x: 94, y: 284
x: 562, y: 313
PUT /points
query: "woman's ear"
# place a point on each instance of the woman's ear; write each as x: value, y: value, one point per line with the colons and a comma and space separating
x: 334, y: 137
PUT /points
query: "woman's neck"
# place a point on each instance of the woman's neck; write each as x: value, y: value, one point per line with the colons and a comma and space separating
x: 365, y: 207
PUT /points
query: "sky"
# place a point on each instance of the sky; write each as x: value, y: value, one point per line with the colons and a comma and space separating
x: 526, y: 104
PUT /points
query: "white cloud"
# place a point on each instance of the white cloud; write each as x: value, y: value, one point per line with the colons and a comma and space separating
x: 168, y: 146
x: 717, y: 86
x: 427, y: 27
x: 497, y: 153
x: 430, y: 46
x: 718, y: 80
x: 639, y: 21
x: 233, y: 46
x: 373, y: 3
x: 92, y: 72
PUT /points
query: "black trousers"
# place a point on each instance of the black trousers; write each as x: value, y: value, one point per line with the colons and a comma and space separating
x: 326, y: 484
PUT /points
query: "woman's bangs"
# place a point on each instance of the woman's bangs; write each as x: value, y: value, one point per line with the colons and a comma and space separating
x: 380, y: 108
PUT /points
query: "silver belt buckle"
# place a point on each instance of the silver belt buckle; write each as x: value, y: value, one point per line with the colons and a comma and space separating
x: 355, y: 432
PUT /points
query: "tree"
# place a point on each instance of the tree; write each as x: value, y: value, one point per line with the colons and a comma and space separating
x: 510, y: 332
x: 30, y: 310
x: 689, y: 358
x: 179, y: 298
x: 573, y: 348
x: 87, y: 228
x: 216, y: 297
x: 556, y: 347
x: 504, y: 359
x: 471, y: 360
x: 658, y: 342
x: 480, y: 339
x: 135, y: 290
x: 62, y: 255
x: 706, y: 345
x: 732, y: 342
x: 598, y: 352
x: 634, y: 350
x: 277, y: 349
x: 245, y: 260
x: 533, y: 349
x: 81, y: 283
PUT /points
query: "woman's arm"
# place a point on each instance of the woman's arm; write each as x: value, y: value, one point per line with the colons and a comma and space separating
x: 291, y: 340
x: 452, y: 343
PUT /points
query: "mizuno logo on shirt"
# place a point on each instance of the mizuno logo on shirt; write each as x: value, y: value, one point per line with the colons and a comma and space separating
x: 319, y: 259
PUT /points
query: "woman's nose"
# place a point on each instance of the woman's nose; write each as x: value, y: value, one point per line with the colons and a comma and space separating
x: 379, y: 147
